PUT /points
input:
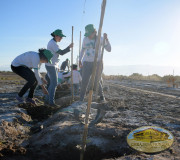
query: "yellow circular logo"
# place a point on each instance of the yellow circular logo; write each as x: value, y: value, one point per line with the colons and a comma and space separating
x: 150, y: 139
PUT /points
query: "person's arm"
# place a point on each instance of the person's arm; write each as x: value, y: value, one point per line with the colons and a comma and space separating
x: 36, y: 66
x: 43, y: 80
x: 82, y: 53
x: 107, y: 45
x: 62, y: 52
x: 67, y: 75
x: 80, y: 78
x: 44, y: 89
x: 38, y: 77
x: 66, y: 50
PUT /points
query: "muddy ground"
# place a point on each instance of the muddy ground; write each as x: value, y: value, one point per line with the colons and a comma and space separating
x: 44, y: 133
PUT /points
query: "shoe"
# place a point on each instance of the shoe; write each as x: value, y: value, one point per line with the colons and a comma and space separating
x: 99, y: 117
x: 102, y: 99
x: 30, y: 100
x: 19, y: 99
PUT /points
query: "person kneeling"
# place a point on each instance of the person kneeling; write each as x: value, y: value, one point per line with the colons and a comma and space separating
x: 23, y: 64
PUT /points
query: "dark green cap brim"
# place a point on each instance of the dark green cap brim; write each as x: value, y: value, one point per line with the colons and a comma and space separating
x: 63, y: 36
x: 59, y: 33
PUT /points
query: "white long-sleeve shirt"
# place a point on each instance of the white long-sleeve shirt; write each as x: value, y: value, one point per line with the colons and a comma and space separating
x: 76, y: 77
x: 31, y: 60
x: 88, y: 49
x: 53, y: 47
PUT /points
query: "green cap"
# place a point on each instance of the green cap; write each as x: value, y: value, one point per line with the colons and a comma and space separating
x: 48, y: 55
x: 59, y: 33
x: 89, y: 29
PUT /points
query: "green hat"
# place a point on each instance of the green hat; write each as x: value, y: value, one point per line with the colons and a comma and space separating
x: 59, y: 33
x: 89, y: 29
x: 48, y: 55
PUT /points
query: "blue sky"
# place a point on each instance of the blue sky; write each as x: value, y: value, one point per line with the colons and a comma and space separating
x: 141, y: 32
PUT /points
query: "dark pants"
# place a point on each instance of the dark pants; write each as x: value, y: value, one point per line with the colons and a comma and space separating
x: 29, y: 76
x: 86, y: 78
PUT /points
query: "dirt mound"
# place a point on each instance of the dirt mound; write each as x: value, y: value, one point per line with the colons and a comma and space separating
x: 39, y: 112
x: 62, y: 90
x: 62, y: 135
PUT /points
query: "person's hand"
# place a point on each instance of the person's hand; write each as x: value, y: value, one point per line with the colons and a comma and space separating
x: 44, y: 81
x: 105, y: 36
x: 44, y: 89
x: 71, y: 45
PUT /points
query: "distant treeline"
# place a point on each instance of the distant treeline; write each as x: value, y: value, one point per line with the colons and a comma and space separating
x: 137, y: 76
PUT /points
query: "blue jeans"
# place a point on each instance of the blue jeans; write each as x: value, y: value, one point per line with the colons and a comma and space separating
x: 75, y: 89
x: 53, y: 76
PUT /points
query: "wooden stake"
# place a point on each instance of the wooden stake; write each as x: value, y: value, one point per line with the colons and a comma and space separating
x: 79, y: 48
x: 72, y: 89
x: 92, y: 83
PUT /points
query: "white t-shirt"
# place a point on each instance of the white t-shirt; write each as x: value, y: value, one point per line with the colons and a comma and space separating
x: 31, y: 60
x: 60, y: 77
x: 53, y: 47
x: 76, y: 77
x: 88, y: 49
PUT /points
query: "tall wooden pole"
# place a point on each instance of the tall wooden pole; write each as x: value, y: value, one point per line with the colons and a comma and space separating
x: 72, y: 89
x: 92, y: 82
x: 99, y: 69
x: 79, y: 47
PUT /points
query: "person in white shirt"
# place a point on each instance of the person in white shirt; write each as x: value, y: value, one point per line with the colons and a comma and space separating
x: 86, y: 59
x: 76, y: 79
x: 52, y: 69
x: 23, y: 65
